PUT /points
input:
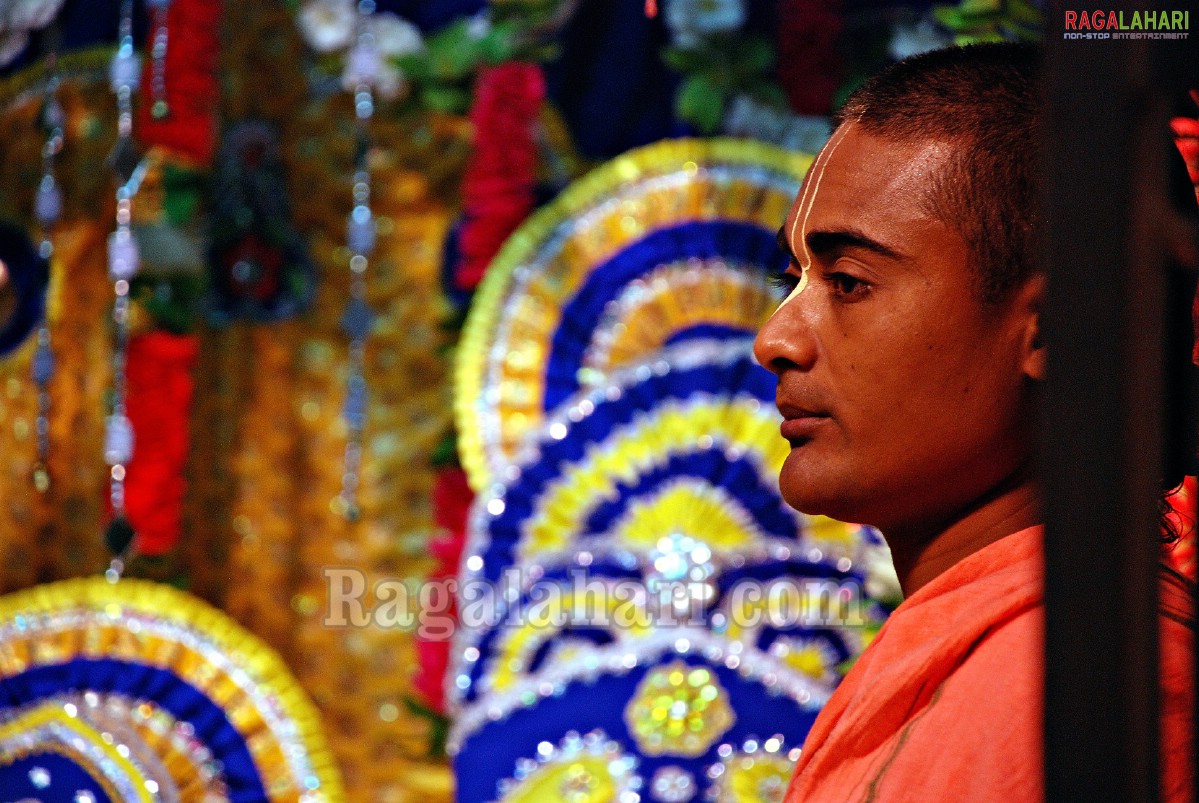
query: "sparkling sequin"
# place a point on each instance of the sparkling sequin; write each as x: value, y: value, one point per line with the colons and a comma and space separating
x: 679, y: 709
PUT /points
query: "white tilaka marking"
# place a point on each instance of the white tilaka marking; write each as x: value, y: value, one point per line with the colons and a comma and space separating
x: 807, y: 200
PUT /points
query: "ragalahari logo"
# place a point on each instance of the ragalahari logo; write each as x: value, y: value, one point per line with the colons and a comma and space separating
x: 1126, y: 24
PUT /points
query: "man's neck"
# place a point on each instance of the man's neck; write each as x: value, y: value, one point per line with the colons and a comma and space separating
x: 921, y: 553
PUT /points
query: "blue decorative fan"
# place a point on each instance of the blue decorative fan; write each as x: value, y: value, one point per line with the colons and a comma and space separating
x: 667, y: 243
x: 135, y: 691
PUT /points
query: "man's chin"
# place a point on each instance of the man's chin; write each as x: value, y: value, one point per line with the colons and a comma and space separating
x: 815, y: 493
x: 806, y: 497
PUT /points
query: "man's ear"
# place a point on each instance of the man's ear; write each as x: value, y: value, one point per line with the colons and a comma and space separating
x: 1029, y: 302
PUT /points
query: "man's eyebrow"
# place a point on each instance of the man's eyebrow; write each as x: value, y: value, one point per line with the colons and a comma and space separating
x: 823, y: 242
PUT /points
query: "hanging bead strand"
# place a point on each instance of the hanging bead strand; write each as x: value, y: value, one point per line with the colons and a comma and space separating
x: 123, y: 261
x: 158, y: 58
x: 47, y: 210
x: 358, y: 318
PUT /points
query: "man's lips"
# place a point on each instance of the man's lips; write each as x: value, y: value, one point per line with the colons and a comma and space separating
x: 800, y: 423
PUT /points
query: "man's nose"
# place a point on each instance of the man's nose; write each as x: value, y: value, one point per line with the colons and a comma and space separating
x: 786, y: 340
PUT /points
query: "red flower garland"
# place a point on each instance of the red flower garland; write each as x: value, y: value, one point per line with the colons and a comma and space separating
x: 159, y: 377
x: 452, y: 498
x: 809, y: 64
x: 192, y: 93
x: 498, y: 187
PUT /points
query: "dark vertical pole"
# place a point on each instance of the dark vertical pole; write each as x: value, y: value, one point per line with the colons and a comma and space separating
x: 1105, y: 204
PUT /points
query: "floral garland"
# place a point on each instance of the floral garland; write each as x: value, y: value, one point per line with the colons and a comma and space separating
x: 498, y: 187
x: 189, y: 129
x: 452, y: 498
x: 159, y: 376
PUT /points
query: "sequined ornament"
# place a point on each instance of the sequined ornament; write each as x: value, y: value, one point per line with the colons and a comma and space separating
x: 593, y: 281
x: 672, y: 784
x: 687, y: 443
x: 679, y: 710
x: 156, y: 695
x: 580, y: 769
x: 755, y: 772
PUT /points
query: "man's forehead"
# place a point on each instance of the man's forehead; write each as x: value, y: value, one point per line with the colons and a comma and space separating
x: 862, y: 174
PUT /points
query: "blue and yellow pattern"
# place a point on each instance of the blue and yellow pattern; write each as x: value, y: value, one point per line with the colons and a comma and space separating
x: 685, y: 215
x: 192, y: 694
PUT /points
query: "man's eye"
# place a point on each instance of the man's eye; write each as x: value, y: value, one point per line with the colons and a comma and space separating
x: 783, y: 282
x: 847, y: 286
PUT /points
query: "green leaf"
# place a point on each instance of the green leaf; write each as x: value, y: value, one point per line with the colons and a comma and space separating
x: 686, y: 61
x: 453, y: 52
x: 701, y: 103
x: 981, y: 7
x: 950, y: 17
x: 439, y: 726
x: 978, y: 37
x: 183, y: 194
x: 1021, y: 12
x: 446, y: 452
x: 416, y: 67
x: 757, y: 55
x: 769, y: 93
x: 499, y: 43
x: 449, y: 99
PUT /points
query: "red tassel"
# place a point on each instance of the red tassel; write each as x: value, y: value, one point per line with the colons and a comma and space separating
x: 651, y: 8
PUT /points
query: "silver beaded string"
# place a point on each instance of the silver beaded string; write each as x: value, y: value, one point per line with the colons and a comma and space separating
x: 360, y: 239
x: 158, y: 55
x: 123, y: 262
x: 47, y: 210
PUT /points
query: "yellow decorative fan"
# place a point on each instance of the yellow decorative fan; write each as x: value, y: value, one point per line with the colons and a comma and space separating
x: 197, y: 708
x: 669, y: 242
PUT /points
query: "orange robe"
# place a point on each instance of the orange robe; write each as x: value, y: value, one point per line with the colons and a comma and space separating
x: 946, y: 704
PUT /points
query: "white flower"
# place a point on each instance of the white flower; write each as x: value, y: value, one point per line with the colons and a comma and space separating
x: 28, y: 15
x: 11, y: 45
x: 692, y: 20
x: 479, y: 25
x: 910, y: 40
x: 328, y: 25
x: 390, y: 83
x: 395, y: 36
x: 366, y: 65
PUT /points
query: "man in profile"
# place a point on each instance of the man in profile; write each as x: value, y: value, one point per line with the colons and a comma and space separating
x: 909, y: 357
